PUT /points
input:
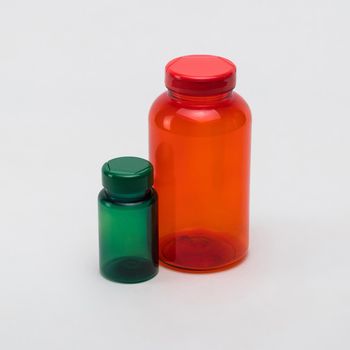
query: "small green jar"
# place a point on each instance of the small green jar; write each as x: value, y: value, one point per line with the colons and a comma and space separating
x: 128, y: 221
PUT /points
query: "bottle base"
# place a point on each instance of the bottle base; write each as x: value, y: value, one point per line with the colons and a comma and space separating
x: 129, y: 270
x: 201, y: 251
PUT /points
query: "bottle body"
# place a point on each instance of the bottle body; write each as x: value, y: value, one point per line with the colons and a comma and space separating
x: 200, y: 149
x: 128, y: 238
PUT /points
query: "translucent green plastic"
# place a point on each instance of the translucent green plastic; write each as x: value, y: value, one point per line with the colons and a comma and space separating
x: 128, y: 237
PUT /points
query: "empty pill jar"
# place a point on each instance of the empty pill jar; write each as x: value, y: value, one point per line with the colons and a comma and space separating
x: 199, y: 145
x: 128, y: 223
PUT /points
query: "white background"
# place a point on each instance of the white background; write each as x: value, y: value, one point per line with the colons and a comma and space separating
x: 76, y: 81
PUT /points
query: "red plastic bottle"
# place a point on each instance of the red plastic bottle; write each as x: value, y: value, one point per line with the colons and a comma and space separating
x: 200, y: 149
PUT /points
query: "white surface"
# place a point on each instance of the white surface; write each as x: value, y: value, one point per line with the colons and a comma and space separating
x: 76, y: 81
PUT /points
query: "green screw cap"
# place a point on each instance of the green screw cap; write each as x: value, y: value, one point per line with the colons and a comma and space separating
x: 127, y: 177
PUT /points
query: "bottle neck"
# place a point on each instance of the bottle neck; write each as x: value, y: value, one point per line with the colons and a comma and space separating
x: 200, y: 100
x: 129, y: 198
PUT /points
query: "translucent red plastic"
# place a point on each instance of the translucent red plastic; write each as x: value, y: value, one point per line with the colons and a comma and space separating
x: 200, y: 149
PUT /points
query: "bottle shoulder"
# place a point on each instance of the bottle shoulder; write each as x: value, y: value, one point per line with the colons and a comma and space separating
x: 107, y: 201
x: 168, y: 115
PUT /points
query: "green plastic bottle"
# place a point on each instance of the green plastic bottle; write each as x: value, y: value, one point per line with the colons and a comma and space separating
x: 128, y: 221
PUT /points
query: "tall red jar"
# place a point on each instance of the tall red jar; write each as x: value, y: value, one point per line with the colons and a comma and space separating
x: 199, y: 134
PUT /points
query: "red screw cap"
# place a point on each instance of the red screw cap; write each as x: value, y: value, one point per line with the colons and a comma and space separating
x: 200, y: 75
